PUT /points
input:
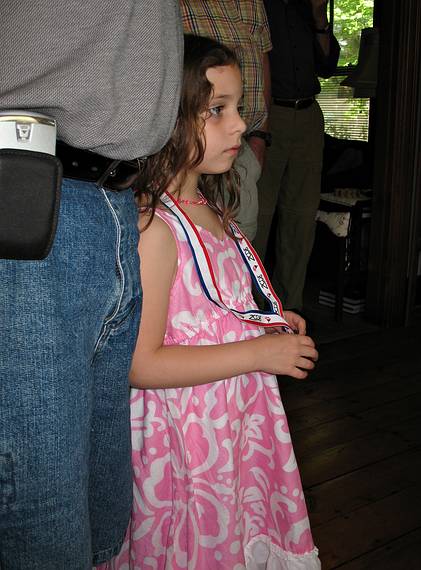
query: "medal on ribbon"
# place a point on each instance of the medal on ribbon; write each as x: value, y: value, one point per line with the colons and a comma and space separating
x: 271, y: 318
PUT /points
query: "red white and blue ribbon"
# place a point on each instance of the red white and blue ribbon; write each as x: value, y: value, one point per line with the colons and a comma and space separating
x: 271, y: 318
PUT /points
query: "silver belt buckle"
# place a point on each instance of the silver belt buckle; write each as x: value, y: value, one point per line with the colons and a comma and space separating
x: 27, y: 130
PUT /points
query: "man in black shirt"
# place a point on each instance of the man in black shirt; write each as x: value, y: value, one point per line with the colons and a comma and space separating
x: 304, y: 48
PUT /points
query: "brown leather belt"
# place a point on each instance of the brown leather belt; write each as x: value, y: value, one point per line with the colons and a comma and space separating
x: 294, y: 103
x: 105, y: 172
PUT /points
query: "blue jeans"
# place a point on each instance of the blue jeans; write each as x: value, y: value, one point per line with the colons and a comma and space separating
x: 68, y: 325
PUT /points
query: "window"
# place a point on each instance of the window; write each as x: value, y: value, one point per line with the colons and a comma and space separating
x: 346, y: 117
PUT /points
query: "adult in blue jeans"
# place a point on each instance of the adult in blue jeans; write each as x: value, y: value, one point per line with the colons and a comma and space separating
x: 108, y: 71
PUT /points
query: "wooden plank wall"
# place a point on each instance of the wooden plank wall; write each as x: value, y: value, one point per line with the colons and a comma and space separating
x: 356, y: 429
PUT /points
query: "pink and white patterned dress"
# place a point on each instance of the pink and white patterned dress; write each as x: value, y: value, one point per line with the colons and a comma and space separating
x: 216, y: 484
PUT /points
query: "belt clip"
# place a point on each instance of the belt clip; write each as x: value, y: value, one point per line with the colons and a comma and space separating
x: 27, y: 130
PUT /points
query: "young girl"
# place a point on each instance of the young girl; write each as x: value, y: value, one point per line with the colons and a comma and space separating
x: 216, y: 481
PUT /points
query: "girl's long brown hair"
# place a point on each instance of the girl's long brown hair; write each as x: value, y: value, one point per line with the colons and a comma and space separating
x: 185, y: 149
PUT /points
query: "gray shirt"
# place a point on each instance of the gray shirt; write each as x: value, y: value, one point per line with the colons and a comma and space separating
x: 107, y: 70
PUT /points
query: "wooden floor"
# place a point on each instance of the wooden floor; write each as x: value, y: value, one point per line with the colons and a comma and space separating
x: 356, y: 429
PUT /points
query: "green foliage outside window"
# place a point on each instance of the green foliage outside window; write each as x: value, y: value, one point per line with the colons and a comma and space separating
x: 350, y: 16
x: 346, y: 117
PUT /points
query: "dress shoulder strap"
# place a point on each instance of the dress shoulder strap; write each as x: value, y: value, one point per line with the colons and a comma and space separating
x: 169, y: 218
x: 184, y: 251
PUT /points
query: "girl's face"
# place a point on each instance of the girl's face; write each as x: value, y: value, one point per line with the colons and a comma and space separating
x: 223, y: 124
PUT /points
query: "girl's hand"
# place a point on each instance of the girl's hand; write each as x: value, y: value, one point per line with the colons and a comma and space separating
x: 296, y: 322
x: 285, y: 354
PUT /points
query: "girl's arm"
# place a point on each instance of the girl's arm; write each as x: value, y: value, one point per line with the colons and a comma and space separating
x: 157, y: 366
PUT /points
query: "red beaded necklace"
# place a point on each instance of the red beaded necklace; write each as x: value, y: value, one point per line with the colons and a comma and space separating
x: 201, y: 202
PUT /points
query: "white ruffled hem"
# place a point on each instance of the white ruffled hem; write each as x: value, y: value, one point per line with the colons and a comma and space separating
x: 262, y: 554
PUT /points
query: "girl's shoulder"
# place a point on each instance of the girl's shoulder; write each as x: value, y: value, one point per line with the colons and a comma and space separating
x: 156, y: 231
x: 159, y: 219
x: 166, y: 215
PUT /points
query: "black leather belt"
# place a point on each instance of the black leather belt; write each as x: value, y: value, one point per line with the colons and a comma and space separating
x: 294, y: 103
x: 105, y: 172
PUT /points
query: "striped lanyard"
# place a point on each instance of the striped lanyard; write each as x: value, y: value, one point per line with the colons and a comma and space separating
x: 272, y: 318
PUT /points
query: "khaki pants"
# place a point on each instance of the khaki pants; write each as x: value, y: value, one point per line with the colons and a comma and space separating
x: 248, y: 167
x: 290, y: 188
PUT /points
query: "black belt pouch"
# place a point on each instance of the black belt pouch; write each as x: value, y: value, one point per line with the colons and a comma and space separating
x: 30, y: 185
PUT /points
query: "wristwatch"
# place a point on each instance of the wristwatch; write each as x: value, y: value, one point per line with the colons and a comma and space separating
x: 264, y: 135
